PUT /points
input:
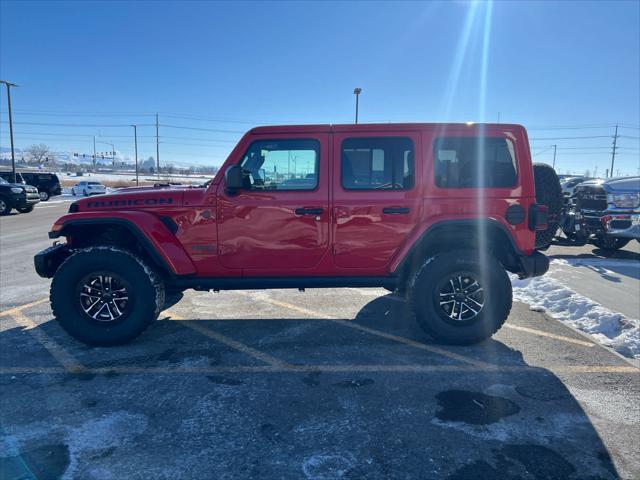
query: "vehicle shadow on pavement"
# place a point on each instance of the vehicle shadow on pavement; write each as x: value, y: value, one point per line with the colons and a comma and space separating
x: 349, y: 402
x: 599, y: 253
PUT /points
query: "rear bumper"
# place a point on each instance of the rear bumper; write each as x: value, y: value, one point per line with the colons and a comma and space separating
x: 533, y: 265
x: 47, y: 261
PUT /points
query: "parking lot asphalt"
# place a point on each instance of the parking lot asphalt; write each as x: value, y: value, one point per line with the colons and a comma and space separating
x: 283, y: 384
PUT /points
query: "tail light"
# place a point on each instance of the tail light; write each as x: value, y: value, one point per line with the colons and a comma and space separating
x: 538, y: 217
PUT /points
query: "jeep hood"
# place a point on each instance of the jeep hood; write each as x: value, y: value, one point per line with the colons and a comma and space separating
x: 133, y: 198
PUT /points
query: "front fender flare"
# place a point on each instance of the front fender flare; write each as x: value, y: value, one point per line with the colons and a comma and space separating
x: 157, y: 240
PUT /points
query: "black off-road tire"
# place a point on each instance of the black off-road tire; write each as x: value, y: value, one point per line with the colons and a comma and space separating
x: 610, y: 244
x: 549, y: 193
x: 145, y: 290
x: 44, y: 196
x: 5, y: 206
x: 425, y: 297
x: 26, y: 209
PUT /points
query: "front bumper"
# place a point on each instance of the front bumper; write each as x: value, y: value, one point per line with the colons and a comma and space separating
x: 47, y: 261
x: 623, y: 225
x: 23, y: 200
x: 534, y: 265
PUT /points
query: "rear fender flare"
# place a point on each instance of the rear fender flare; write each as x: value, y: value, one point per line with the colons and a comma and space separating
x: 422, y: 240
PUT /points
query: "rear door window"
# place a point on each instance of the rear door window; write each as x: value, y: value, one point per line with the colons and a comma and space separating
x: 474, y: 162
x: 377, y: 163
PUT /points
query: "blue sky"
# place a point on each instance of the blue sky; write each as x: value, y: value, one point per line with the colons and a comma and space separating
x: 224, y: 67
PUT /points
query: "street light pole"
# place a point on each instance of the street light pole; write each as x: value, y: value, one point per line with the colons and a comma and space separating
x: 357, y: 92
x: 135, y: 140
x: 157, y: 147
x: 13, y: 155
x: 555, y: 147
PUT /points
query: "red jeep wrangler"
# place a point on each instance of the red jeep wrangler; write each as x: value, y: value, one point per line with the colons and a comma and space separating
x: 439, y: 211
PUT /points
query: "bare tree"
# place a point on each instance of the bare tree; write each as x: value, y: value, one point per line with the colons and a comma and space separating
x: 41, y: 153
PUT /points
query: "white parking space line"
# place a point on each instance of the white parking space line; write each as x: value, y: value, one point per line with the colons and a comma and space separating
x: 373, y: 331
x: 550, y: 335
x: 64, y: 358
x: 193, y: 325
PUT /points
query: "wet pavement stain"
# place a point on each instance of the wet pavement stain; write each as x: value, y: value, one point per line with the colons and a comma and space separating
x: 89, y: 402
x: 518, y: 462
x: 354, y: 383
x: 82, y: 376
x: 45, y: 462
x: 479, y: 470
x: 541, y: 462
x: 171, y: 356
x: 220, y: 380
x: 312, y: 379
x: 473, y: 407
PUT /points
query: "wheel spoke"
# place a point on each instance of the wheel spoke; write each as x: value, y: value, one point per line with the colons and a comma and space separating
x: 104, y: 298
x: 461, y: 297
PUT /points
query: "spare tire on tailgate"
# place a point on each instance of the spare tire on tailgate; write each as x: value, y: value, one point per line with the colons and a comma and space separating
x: 549, y: 193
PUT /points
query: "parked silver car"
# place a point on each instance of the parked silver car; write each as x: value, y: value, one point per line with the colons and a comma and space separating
x: 87, y: 188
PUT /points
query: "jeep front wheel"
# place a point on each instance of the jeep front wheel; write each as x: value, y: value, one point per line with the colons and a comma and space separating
x: 105, y: 296
x: 460, y: 299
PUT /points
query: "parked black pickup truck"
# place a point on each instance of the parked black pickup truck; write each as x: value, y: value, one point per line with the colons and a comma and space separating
x: 16, y: 195
x: 605, y: 213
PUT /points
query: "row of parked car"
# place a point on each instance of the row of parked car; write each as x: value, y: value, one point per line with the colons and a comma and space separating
x: 603, y: 212
x: 29, y: 188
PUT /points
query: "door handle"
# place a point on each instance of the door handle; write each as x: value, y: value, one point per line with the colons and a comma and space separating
x: 309, y: 211
x: 396, y: 210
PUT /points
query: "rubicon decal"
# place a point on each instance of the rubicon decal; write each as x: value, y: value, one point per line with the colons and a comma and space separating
x: 130, y: 202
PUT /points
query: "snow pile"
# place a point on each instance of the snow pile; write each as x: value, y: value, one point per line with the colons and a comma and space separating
x: 606, y: 327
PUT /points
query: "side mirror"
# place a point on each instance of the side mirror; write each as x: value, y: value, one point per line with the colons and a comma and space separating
x: 233, y: 179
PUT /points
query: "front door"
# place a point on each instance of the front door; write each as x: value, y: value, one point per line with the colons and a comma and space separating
x: 376, y: 196
x: 280, y: 220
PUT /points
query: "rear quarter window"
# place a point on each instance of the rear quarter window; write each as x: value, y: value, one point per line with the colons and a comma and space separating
x: 474, y: 162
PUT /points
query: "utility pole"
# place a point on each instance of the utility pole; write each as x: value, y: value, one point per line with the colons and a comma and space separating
x: 595, y: 172
x: 613, y: 152
x: 13, y: 155
x: 555, y: 147
x: 94, y: 154
x: 135, y: 143
x: 498, y: 117
x: 157, y: 147
x: 357, y: 92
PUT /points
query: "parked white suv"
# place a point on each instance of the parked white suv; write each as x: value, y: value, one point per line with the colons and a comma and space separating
x: 88, y: 188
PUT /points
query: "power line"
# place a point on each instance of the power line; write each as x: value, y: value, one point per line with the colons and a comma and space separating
x: 571, y: 127
x: 203, y: 129
x: 569, y: 138
x: 76, y: 125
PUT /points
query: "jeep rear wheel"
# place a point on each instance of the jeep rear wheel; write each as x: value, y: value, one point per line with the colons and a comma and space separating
x: 549, y: 193
x: 459, y: 300
x: 105, y: 296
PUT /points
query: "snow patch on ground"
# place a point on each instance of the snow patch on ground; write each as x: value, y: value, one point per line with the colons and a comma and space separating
x: 606, y: 327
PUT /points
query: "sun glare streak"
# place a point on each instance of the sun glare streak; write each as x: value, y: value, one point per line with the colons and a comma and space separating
x: 458, y: 62
x: 483, y: 242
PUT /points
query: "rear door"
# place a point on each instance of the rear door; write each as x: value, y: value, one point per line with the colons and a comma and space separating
x: 376, y: 197
x: 280, y: 221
